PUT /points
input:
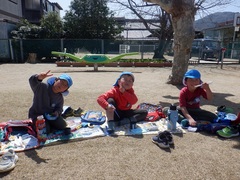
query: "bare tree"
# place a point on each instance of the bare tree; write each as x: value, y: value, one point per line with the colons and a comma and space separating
x: 183, y: 16
x: 160, y: 28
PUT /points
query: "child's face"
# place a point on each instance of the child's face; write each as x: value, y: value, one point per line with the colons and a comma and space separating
x: 191, y: 83
x: 126, y: 82
x: 60, y: 86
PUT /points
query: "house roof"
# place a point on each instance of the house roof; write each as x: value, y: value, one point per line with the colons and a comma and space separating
x: 130, y: 34
x: 135, y: 29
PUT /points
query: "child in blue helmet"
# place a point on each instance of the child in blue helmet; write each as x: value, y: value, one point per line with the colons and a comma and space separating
x: 118, y: 102
x: 190, y: 97
x: 48, y: 99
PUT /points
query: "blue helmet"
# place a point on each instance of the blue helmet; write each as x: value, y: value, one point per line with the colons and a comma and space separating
x: 65, y: 77
x: 192, y: 74
x: 123, y: 73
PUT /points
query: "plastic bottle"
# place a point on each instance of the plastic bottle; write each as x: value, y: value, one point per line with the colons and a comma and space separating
x: 172, y: 118
x: 41, y: 128
x: 1, y: 134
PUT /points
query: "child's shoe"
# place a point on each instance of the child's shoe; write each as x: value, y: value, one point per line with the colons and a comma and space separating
x: 77, y: 112
x: 67, y: 113
x: 169, y: 137
x: 228, y: 132
x: 161, y: 140
x: 8, y: 161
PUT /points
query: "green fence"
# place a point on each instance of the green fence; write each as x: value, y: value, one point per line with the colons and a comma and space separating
x: 17, y: 51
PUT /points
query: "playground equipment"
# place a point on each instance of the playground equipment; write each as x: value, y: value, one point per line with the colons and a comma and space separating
x: 93, y: 58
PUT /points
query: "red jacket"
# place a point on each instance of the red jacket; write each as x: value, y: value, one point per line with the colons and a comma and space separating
x: 124, y: 100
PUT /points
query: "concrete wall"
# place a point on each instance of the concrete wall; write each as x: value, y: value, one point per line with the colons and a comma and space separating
x: 11, y: 10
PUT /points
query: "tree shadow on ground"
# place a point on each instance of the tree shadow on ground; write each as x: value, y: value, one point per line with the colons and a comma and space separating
x: 215, y: 135
x: 220, y: 99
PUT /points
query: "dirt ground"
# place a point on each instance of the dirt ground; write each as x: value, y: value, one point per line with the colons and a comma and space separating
x: 195, y: 155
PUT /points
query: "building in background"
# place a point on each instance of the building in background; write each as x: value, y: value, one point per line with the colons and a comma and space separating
x: 224, y: 27
x: 12, y: 11
x: 135, y: 29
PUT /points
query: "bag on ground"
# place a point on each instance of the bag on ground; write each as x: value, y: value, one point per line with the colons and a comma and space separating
x: 94, y: 117
x: 154, y: 111
x: 17, y: 127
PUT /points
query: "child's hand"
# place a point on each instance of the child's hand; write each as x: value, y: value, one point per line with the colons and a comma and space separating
x: 192, y: 122
x: 51, y: 116
x: 111, y: 107
x: 205, y: 86
x: 121, y: 87
x: 43, y: 75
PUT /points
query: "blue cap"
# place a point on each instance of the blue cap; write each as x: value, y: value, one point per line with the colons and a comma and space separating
x: 123, y: 73
x: 192, y: 74
x: 67, y: 78
x: 63, y: 77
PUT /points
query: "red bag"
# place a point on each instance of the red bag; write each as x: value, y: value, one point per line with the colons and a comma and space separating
x: 154, y: 111
x: 11, y: 127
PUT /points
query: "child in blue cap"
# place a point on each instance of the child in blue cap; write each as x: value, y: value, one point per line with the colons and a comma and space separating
x: 118, y: 103
x: 190, y: 97
x: 48, y: 99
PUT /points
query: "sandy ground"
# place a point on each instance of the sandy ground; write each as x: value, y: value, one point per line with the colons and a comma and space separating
x: 195, y: 155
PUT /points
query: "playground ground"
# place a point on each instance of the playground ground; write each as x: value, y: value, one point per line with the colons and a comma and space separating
x: 195, y: 155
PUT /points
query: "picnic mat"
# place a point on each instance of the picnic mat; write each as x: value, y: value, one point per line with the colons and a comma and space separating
x: 21, y: 142
x: 143, y: 128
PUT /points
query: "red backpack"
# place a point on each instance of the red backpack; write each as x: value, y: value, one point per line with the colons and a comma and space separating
x: 154, y: 111
x: 15, y: 127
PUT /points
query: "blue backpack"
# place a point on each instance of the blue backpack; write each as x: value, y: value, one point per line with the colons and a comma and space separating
x: 93, y: 117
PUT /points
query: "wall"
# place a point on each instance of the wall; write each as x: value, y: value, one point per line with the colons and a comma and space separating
x: 11, y: 10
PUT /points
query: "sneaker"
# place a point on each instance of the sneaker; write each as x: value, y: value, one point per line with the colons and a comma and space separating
x: 67, y: 113
x: 169, y: 137
x: 8, y: 161
x: 78, y: 112
x: 229, y: 131
x: 161, y: 140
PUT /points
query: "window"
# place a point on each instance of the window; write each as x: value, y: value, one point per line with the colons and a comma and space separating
x: 238, y: 21
x: 32, y: 4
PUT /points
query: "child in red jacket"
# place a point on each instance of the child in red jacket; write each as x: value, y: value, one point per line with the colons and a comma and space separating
x: 118, y: 102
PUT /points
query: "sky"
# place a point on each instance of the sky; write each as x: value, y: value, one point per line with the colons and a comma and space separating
x: 230, y: 8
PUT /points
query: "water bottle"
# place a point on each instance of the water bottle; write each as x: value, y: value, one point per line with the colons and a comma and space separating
x: 172, y: 118
x: 41, y: 128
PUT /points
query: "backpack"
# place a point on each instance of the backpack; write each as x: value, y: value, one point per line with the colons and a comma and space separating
x: 17, y: 127
x: 154, y: 111
x: 93, y: 117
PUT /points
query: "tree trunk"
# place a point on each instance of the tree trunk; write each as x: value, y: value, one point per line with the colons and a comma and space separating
x: 182, y: 44
x: 159, y: 51
x: 183, y: 12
